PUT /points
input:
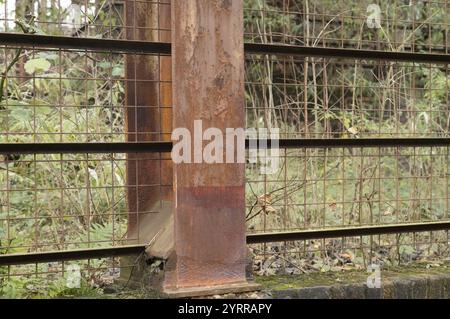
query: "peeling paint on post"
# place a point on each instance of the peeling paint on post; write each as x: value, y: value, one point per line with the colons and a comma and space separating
x: 208, y: 73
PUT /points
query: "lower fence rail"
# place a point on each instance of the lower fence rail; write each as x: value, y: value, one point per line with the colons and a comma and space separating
x: 255, y: 238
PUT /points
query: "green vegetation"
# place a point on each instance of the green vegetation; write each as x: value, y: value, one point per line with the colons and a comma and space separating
x: 338, y: 98
x: 51, y: 202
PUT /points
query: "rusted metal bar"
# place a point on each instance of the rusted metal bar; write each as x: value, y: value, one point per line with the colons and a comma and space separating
x: 322, y: 52
x: 74, y: 148
x: 346, y: 232
x: 359, y: 142
x: 208, y: 84
x: 165, y: 93
x: 95, y: 44
x: 164, y: 47
x: 30, y: 258
x: 166, y: 146
x: 67, y: 255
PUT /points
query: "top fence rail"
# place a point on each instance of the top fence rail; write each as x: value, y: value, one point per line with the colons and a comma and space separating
x: 43, y: 41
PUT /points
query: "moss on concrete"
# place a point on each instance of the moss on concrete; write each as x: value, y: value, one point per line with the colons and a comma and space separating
x: 414, y: 281
x: 283, y: 282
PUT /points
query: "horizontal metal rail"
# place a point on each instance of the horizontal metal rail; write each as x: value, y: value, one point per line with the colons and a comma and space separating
x: 45, y: 41
x: 358, y: 142
x: 322, y: 52
x: 57, y: 42
x: 161, y: 147
x: 94, y: 148
x: 67, y: 255
x: 346, y: 232
x: 31, y: 258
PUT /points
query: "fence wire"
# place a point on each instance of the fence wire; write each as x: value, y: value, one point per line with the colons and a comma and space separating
x: 336, y: 98
x: 59, y: 202
x: 65, y: 202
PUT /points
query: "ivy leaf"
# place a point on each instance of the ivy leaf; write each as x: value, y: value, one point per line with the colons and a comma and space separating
x: 104, y: 65
x: 118, y: 71
x: 35, y: 65
x: 21, y: 114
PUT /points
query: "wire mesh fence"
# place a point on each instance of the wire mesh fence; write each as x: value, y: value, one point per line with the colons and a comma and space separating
x: 411, y: 25
x: 66, y: 202
x: 108, y: 19
x: 61, y: 202
x: 323, y: 189
x: 337, y: 98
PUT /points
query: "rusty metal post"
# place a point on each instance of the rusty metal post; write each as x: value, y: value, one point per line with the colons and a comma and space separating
x: 208, y: 84
x: 148, y: 117
x: 165, y: 35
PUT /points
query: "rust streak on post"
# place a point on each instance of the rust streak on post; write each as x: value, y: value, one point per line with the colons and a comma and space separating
x: 208, y: 62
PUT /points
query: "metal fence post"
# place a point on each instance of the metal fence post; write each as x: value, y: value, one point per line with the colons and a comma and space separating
x: 148, y: 116
x: 148, y: 119
x: 208, y: 84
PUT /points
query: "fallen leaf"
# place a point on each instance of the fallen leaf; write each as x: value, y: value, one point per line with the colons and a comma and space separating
x: 353, y: 130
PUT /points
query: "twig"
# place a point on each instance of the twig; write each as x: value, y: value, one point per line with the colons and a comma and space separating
x: 25, y: 29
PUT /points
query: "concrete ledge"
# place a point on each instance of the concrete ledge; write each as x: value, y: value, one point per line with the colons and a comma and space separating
x: 211, y: 291
x: 415, y: 287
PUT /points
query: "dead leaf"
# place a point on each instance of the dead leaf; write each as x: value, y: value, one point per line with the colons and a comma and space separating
x: 353, y: 130
x: 265, y: 201
x: 387, y: 213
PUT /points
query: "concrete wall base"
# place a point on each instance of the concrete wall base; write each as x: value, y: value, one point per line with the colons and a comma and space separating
x: 417, y: 287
